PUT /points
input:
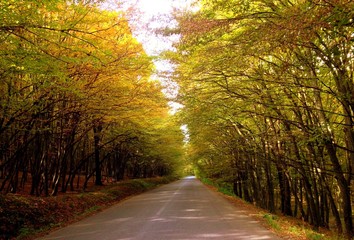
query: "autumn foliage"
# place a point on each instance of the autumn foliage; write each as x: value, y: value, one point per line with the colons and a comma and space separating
x: 268, y: 94
x: 77, y: 100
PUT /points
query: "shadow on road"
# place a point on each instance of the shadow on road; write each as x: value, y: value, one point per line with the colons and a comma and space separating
x: 183, y: 210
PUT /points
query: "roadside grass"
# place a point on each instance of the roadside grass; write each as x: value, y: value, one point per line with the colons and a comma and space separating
x: 272, y: 221
x: 28, y: 217
x: 284, y: 226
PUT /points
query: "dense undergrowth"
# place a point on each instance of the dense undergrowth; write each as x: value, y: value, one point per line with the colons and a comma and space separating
x: 25, y: 217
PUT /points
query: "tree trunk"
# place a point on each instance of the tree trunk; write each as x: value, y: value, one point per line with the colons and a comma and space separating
x: 285, y: 194
x: 97, y: 138
x: 344, y: 187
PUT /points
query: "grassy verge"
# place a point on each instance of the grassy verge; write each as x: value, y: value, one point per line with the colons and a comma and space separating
x: 26, y: 217
x: 284, y: 226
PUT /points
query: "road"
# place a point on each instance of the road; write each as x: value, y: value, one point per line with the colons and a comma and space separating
x: 182, y: 210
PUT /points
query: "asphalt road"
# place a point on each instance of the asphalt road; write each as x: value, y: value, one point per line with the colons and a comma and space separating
x: 182, y: 210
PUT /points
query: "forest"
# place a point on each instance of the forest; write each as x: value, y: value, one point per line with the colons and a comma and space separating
x: 268, y: 95
x: 267, y: 89
x: 78, y: 102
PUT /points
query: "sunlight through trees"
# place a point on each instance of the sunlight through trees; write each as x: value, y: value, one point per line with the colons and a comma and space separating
x: 77, y: 100
x: 265, y: 94
x: 267, y: 89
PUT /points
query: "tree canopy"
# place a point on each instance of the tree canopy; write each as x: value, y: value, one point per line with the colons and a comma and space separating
x: 77, y: 100
x: 267, y: 89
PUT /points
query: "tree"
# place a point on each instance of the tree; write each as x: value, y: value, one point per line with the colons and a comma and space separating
x: 77, y: 100
x: 269, y: 81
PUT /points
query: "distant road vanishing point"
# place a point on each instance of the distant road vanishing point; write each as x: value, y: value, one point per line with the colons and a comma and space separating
x: 183, y: 210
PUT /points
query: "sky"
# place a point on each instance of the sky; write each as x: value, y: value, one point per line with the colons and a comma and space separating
x: 156, y: 14
x: 156, y: 9
x: 147, y: 16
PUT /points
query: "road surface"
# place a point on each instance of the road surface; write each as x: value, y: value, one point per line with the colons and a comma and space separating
x: 183, y: 210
